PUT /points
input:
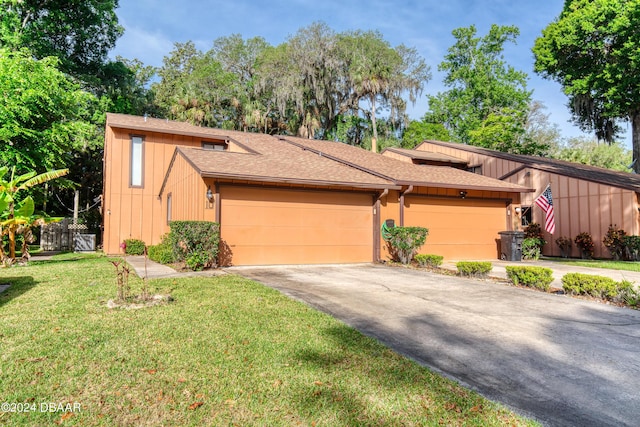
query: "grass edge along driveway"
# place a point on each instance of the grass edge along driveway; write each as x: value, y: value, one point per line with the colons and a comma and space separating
x: 227, y: 351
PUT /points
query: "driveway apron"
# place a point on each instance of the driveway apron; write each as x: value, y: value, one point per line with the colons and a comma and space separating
x: 557, y: 359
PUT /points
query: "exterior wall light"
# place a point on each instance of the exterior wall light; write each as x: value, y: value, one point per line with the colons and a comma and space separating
x: 209, y: 194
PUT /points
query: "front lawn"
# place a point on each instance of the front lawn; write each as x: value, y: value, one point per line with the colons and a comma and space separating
x: 227, y: 351
x: 601, y: 263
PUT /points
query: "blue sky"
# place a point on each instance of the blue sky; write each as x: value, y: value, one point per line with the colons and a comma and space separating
x: 153, y: 26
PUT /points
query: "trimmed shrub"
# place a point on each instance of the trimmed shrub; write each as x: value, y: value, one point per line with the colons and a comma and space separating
x: 429, y: 260
x: 589, y: 284
x: 404, y: 242
x: 474, y: 268
x: 195, y: 242
x: 162, y: 253
x: 534, y: 277
x: 134, y: 247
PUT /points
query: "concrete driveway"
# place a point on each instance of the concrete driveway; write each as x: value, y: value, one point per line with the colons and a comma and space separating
x: 557, y: 359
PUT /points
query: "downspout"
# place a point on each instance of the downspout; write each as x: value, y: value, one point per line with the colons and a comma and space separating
x: 376, y: 226
x: 407, y: 191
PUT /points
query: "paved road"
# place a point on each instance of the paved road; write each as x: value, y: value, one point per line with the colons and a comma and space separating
x: 557, y: 359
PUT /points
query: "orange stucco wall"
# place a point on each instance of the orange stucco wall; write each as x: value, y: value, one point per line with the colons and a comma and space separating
x: 579, y: 205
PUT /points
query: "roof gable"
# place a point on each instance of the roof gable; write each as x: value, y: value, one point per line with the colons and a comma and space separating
x: 624, y: 180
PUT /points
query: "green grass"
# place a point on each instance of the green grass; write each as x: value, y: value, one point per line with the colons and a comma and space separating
x: 597, y: 263
x: 227, y: 351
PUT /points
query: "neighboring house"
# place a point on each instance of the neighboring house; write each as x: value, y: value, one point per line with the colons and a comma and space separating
x: 287, y: 200
x: 585, y: 198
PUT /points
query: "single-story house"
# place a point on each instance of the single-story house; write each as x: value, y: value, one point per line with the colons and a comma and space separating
x: 585, y: 198
x: 287, y: 200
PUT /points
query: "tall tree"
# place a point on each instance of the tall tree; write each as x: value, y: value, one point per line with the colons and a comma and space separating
x: 593, y: 50
x: 488, y: 100
x: 43, y: 116
x: 380, y: 74
x: 79, y: 33
x: 591, y: 152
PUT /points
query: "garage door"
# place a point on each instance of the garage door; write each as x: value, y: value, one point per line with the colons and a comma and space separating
x: 273, y: 226
x: 458, y: 228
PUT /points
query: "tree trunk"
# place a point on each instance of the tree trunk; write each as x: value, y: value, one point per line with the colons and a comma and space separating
x: 635, y: 138
x: 374, y: 139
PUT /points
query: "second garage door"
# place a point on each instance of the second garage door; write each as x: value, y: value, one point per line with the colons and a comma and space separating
x: 458, y: 228
x: 264, y: 226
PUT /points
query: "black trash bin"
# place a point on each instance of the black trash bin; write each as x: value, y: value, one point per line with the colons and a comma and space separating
x: 511, y: 245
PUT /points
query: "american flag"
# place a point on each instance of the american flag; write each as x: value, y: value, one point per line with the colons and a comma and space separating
x: 545, y: 201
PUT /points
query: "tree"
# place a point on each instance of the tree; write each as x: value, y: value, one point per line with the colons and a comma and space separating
x: 593, y: 50
x: 43, y: 115
x: 17, y: 216
x: 488, y: 99
x: 79, y: 33
x: 419, y: 131
x: 591, y: 152
x: 380, y: 74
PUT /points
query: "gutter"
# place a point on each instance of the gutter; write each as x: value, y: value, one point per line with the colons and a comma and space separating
x: 407, y: 191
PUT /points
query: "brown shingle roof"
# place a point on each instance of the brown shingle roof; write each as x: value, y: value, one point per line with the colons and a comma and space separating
x: 291, y: 159
x: 426, y: 155
x: 404, y: 173
x: 624, y: 180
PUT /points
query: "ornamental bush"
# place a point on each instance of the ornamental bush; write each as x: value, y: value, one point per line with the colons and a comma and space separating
x: 404, y: 242
x: 632, y: 247
x: 474, y: 268
x: 589, y: 284
x: 195, y: 242
x: 614, y: 241
x: 532, y: 276
x: 428, y: 260
x: 134, y: 247
x: 162, y: 253
x: 585, y: 242
x: 531, y: 248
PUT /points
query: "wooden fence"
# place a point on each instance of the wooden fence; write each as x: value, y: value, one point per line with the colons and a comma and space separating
x: 67, y: 236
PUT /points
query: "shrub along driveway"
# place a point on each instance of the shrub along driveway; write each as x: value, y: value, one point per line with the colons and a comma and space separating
x: 558, y: 359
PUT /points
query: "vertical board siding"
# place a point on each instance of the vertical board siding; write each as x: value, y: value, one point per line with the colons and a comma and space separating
x: 133, y: 212
x: 579, y: 205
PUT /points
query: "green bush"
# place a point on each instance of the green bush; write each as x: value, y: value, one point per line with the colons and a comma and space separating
x: 632, y: 247
x: 474, y: 268
x: 628, y: 294
x: 162, y: 253
x: 195, y: 242
x: 134, y: 247
x: 404, y: 242
x: 429, y: 260
x: 531, y: 248
x: 589, y: 284
x: 535, y: 277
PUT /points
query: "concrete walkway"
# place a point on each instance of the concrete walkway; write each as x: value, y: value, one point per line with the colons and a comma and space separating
x: 154, y: 270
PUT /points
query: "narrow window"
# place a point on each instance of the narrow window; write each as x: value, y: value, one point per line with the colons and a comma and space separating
x: 137, y: 157
x: 168, y: 208
x: 216, y: 146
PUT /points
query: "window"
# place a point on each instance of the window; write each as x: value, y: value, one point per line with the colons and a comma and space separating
x: 168, y: 208
x: 477, y: 169
x: 137, y: 158
x: 526, y: 216
x: 216, y: 146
